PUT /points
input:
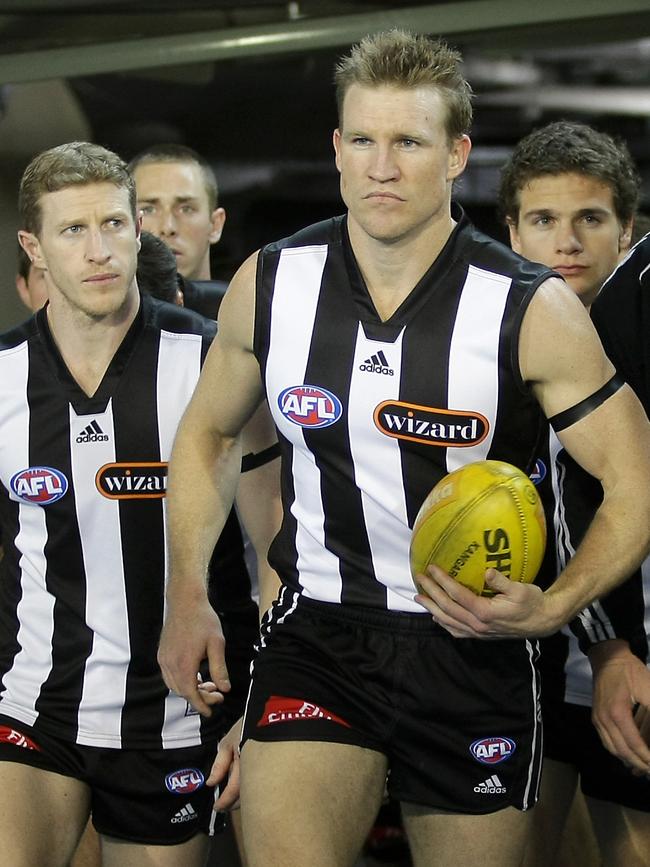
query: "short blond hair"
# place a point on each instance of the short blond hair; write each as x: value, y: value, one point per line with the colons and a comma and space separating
x: 72, y: 164
x: 403, y: 59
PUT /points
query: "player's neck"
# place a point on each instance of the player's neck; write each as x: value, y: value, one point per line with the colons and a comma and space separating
x: 202, y: 272
x: 87, y: 345
x: 392, y: 269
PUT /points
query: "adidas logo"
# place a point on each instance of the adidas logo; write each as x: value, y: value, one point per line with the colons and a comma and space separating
x: 377, y: 364
x: 92, y: 434
x: 185, y: 814
x: 491, y: 786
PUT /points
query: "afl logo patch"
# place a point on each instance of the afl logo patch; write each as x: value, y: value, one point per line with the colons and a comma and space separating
x: 430, y: 426
x: 491, y: 751
x: 310, y: 406
x: 539, y: 472
x: 39, y: 485
x: 184, y: 781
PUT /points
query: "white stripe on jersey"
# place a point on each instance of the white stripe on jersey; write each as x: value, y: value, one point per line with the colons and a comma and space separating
x: 295, y: 298
x: 563, y: 545
x: 535, y: 764
x: 645, y: 577
x: 177, y: 376
x: 33, y: 662
x: 476, y: 336
x: 98, y: 517
x: 378, y: 473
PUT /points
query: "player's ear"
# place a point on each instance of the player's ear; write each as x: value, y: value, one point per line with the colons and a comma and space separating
x: 336, y: 141
x: 625, y: 237
x: 31, y: 245
x: 217, y: 218
x: 515, y: 241
x: 458, y: 154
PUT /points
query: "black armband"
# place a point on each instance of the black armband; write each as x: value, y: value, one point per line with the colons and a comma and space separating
x: 574, y: 413
x: 253, y: 460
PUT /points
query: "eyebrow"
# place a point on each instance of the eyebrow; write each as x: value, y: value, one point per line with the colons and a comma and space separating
x: 117, y: 213
x: 179, y: 199
x: 582, y: 212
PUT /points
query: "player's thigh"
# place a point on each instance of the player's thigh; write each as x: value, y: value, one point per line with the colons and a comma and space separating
x: 623, y: 834
x: 309, y: 797
x: 238, y: 835
x: 491, y: 839
x: 559, y: 785
x: 87, y: 853
x: 42, y: 815
x: 191, y: 853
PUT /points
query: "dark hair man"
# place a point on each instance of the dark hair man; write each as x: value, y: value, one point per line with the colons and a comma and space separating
x: 178, y: 200
x: 568, y: 195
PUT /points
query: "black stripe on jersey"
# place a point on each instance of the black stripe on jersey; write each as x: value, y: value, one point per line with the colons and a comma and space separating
x: 229, y: 584
x: 283, y: 555
x: 424, y: 465
x: 10, y: 590
x: 143, y: 541
x: 515, y: 397
x: 341, y: 496
x: 49, y: 445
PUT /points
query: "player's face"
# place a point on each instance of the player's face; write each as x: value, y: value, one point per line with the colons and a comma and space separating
x: 396, y: 162
x: 88, y: 245
x: 568, y: 222
x: 174, y: 205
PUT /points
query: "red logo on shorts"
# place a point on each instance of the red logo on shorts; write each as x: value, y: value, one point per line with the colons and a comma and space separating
x: 279, y: 708
x: 11, y: 736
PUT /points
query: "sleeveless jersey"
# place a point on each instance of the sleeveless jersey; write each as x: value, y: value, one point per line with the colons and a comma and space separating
x: 372, y: 414
x: 82, y: 484
x: 621, y: 314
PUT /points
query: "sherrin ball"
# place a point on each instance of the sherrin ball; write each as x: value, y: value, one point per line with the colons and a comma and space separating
x: 482, y: 515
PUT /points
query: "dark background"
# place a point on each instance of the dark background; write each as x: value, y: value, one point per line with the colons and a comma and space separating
x: 249, y: 85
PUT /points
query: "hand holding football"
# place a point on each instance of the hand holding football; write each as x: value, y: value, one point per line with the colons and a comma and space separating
x: 484, y: 515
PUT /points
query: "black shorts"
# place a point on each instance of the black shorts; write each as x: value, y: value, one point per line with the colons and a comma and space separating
x: 457, y: 719
x: 155, y: 797
x: 571, y: 738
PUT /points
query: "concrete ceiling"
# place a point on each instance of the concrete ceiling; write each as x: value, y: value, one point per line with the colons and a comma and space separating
x: 249, y: 83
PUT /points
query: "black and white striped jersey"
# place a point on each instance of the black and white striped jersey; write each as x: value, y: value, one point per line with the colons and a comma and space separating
x: 82, y: 484
x: 621, y: 314
x: 571, y: 497
x: 372, y: 414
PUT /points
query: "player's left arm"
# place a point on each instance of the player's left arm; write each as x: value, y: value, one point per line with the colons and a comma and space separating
x: 258, y: 496
x: 562, y: 359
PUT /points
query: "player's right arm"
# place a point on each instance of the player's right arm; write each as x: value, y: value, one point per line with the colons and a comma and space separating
x: 621, y: 683
x: 562, y: 359
x: 203, y: 474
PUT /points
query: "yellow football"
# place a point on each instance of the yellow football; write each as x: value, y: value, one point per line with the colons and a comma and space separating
x: 485, y: 514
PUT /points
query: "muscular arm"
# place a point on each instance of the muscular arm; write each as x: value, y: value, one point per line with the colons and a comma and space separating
x: 258, y: 500
x: 203, y: 476
x: 561, y: 357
